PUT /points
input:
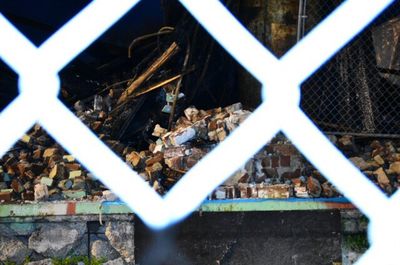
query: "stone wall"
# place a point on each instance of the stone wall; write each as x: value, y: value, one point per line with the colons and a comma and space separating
x: 201, y: 239
x: 353, y: 222
x: 44, y: 240
x: 354, y: 236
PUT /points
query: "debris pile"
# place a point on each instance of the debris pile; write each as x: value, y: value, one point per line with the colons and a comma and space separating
x: 37, y: 168
x: 176, y: 151
x: 380, y: 162
x: 279, y: 171
x: 162, y: 147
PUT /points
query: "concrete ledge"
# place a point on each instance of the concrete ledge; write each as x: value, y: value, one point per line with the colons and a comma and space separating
x: 76, y: 208
x: 291, y: 204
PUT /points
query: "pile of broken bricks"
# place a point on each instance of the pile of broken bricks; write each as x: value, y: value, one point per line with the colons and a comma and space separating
x: 39, y: 169
x: 380, y: 162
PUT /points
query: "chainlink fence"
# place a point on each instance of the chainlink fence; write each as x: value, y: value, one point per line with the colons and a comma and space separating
x: 356, y: 92
x: 39, y: 85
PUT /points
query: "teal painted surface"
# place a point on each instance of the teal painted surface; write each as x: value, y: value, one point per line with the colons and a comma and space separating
x: 104, y: 208
x: 88, y: 208
x: 292, y: 204
x: 74, y: 194
x: 22, y: 228
x: 117, y: 208
x: 11, y: 210
x: 262, y: 206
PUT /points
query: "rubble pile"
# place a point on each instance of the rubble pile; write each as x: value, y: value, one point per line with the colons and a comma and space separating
x: 138, y: 118
x: 379, y: 161
x: 37, y: 168
x: 277, y: 171
x: 194, y: 135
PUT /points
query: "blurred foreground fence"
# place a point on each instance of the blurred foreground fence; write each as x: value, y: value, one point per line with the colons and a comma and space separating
x: 39, y: 85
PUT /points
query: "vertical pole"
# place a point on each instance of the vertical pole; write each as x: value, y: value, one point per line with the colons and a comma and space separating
x: 299, y: 21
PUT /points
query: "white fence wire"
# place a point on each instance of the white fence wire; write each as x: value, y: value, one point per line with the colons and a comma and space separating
x: 38, y: 69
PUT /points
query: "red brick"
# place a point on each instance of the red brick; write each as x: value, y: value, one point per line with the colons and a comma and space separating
x: 243, y: 190
x: 252, y: 191
x: 279, y: 191
x: 28, y: 196
x: 285, y: 161
x: 266, y: 162
x: 230, y: 192
x: 271, y: 172
x: 292, y: 174
x: 284, y: 149
x: 275, y: 161
x: 270, y: 149
x: 5, y: 196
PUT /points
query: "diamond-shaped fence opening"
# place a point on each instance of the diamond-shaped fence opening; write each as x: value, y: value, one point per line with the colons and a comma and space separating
x: 279, y: 25
x: 38, y: 169
x: 91, y: 90
x: 34, y: 20
x: 8, y: 85
x: 352, y: 94
x: 280, y: 79
x: 80, y: 79
x: 356, y: 91
x: 136, y: 127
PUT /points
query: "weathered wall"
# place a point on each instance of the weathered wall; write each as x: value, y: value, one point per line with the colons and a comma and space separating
x: 44, y: 240
x: 297, y: 237
x: 245, y: 238
x: 354, y: 233
x: 273, y: 23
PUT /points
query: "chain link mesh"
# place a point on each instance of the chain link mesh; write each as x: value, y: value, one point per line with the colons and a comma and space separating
x: 356, y: 92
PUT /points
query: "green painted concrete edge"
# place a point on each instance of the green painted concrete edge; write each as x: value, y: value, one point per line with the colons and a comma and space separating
x: 273, y: 205
x: 69, y: 208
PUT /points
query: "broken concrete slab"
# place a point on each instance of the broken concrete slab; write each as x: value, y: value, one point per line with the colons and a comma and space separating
x: 46, y: 240
x: 12, y: 249
x: 102, y: 249
x: 81, y: 249
x: 121, y: 237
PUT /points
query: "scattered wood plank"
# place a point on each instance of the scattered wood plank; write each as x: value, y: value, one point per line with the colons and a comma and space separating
x: 172, y: 49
